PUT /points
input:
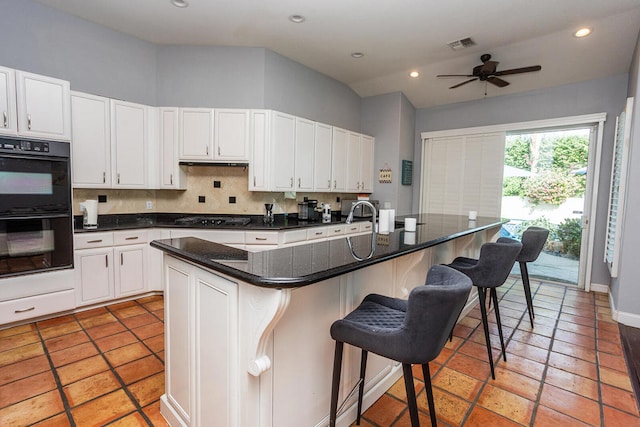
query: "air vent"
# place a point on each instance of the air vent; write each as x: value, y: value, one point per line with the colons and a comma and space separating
x: 461, y: 44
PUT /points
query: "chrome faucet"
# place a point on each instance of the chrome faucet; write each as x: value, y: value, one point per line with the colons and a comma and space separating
x: 373, y: 228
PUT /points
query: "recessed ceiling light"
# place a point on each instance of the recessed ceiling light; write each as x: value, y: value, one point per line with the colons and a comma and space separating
x: 357, y: 55
x: 414, y: 74
x: 582, y: 32
x: 180, y: 3
x: 298, y: 19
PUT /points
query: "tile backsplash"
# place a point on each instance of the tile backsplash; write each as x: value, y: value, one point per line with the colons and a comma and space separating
x: 200, y: 182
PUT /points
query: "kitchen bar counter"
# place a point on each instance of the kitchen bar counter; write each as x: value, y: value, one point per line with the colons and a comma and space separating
x: 247, y: 341
x: 302, y: 265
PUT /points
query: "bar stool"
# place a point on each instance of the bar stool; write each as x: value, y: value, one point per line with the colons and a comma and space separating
x: 409, y: 331
x: 490, y: 271
x: 533, y: 240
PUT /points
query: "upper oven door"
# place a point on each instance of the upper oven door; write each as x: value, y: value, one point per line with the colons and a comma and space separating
x: 32, y: 184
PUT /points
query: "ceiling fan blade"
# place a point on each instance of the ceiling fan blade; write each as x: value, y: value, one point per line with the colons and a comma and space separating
x: 498, y: 82
x: 454, y: 75
x: 464, y: 83
x: 518, y: 70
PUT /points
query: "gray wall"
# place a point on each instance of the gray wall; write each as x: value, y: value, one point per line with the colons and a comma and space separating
x: 94, y: 59
x: 595, y: 96
x: 624, y: 289
x: 391, y: 119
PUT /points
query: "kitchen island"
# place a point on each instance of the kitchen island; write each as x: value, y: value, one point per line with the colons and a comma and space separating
x: 247, y: 333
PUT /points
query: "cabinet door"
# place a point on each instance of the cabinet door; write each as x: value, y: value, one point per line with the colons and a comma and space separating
x: 8, y: 121
x: 91, y: 145
x: 171, y: 175
x: 339, y: 160
x: 322, y: 158
x: 128, y: 144
x: 231, y: 131
x: 196, y: 133
x: 130, y: 270
x: 44, y: 107
x: 353, y: 162
x: 283, y: 128
x: 303, y: 154
x: 259, y: 164
x: 366, y: 163
x: 93, y: 274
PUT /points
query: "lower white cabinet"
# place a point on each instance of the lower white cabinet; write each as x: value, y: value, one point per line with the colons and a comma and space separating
x: 35, y: 306
x: 110, y: 265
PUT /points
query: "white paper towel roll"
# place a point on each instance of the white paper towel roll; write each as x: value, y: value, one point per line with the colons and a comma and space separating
x: 392, y: 219
x: 383, y: 221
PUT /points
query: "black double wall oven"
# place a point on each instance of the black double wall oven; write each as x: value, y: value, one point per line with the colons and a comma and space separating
x: 36, y: 221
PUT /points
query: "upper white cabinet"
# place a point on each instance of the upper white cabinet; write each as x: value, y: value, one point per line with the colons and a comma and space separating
x: 196, y: 133
x: 304, y: 154
x: 360, y: 163
x: 231, y: 135
x: 44, y: 106
x: 91, y: 146
x: 8, y: 121
x: 172, y: 176
x: 282, y: 146
x: 339, y: 160
x: 366, y: 163
x: 129, y: 145
x: 322, y: 157
x: 260, y: 133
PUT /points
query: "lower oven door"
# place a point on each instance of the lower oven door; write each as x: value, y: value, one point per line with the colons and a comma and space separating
x: 35, y: 244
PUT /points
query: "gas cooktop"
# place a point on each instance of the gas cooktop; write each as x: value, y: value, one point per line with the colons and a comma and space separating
x: 212, y: 221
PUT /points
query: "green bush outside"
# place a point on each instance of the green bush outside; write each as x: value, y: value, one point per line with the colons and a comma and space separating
x: 570, y: 234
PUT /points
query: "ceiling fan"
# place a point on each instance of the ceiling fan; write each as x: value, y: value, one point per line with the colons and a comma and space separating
x: 486, y: 72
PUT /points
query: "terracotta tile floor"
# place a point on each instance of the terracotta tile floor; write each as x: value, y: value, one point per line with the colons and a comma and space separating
x: 105, y: 367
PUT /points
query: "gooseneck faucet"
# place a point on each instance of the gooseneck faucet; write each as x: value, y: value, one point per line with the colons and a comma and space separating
x: 373, y: 227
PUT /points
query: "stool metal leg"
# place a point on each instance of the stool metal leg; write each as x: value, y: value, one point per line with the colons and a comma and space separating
x: 363, y: 369
x: 524, y: 272
x: 483, y: 310
x: 494, y: 295
x: 411, y: 394
x: 427, y: 384
x: 335, y: 385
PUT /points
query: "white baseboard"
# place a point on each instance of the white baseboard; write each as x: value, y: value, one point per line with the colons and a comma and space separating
x: 600, y: 288
x: 629, y: 319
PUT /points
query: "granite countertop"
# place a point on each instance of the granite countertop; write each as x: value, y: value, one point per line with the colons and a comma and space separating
x: 302, y: 265
x: 167, y: 220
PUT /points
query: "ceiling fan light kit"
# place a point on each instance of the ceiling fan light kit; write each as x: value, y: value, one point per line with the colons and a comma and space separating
x: 487, y: 72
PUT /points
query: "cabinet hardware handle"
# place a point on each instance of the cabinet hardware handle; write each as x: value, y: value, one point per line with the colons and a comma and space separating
x: 318, y: 233
x: 291, y: 182
x: 4, y: 115
x: 261, y: 238
x: 218, y: 151
x: 207, y: 150
x: 106, y: 261
x: 24, y: 310
x: 94, y: 241
x: 118, y: 178
x: 299, y: 182
x: 254, y: 181
x: 29, y: 121
x: 171, y: 179
x: 335, y: 184
x: 104, y: 177
x: 329, y: 182
x: 131, y: 238
x: 121, y: 258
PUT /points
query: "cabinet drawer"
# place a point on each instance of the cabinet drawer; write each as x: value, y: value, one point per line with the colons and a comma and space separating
x: 92, y: 240
x: 352, y: 228
x: 294, y: 236
x: 36, y: 306
x: 132, y: 237
x: 336, y: 230
x: 316, y: 233
x: 366, y: 226
x: 261, y: 238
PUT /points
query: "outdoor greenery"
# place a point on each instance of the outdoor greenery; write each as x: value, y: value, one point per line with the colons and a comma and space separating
x: 552, y: 162
x: 570, y: 234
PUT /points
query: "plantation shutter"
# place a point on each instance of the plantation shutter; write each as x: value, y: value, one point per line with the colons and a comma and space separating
x: 462, y: 174
x: 618, y: 187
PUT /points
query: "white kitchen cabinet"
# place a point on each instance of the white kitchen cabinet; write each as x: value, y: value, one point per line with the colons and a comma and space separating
x: 304, y: 154
x: 94, y: 275
x: 8, y: 120
x: 322, y: 158
x: 366, y: 163
x: 339, y: 160
x: 172, y: 176
x: 282, y: 146
x: 130, y: 269
x: 231, y: 135
x: 91, y: 145
x: 129, y: 145
x: 196, y: 133
x: 360, y: 163
x: 259, y: 160
x: 44, y: 106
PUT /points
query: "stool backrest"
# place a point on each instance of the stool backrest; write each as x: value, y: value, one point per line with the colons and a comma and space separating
x: 533, y: 240
x: 432, y: 311
x: 494, y: 264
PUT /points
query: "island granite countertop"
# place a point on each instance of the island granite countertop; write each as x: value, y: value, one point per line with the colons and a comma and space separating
x: 296, y: 266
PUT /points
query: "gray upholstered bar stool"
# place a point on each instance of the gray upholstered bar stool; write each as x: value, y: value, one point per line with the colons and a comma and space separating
x: 409, y: 331
x: 533, y: 240
x: 490, y: 271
